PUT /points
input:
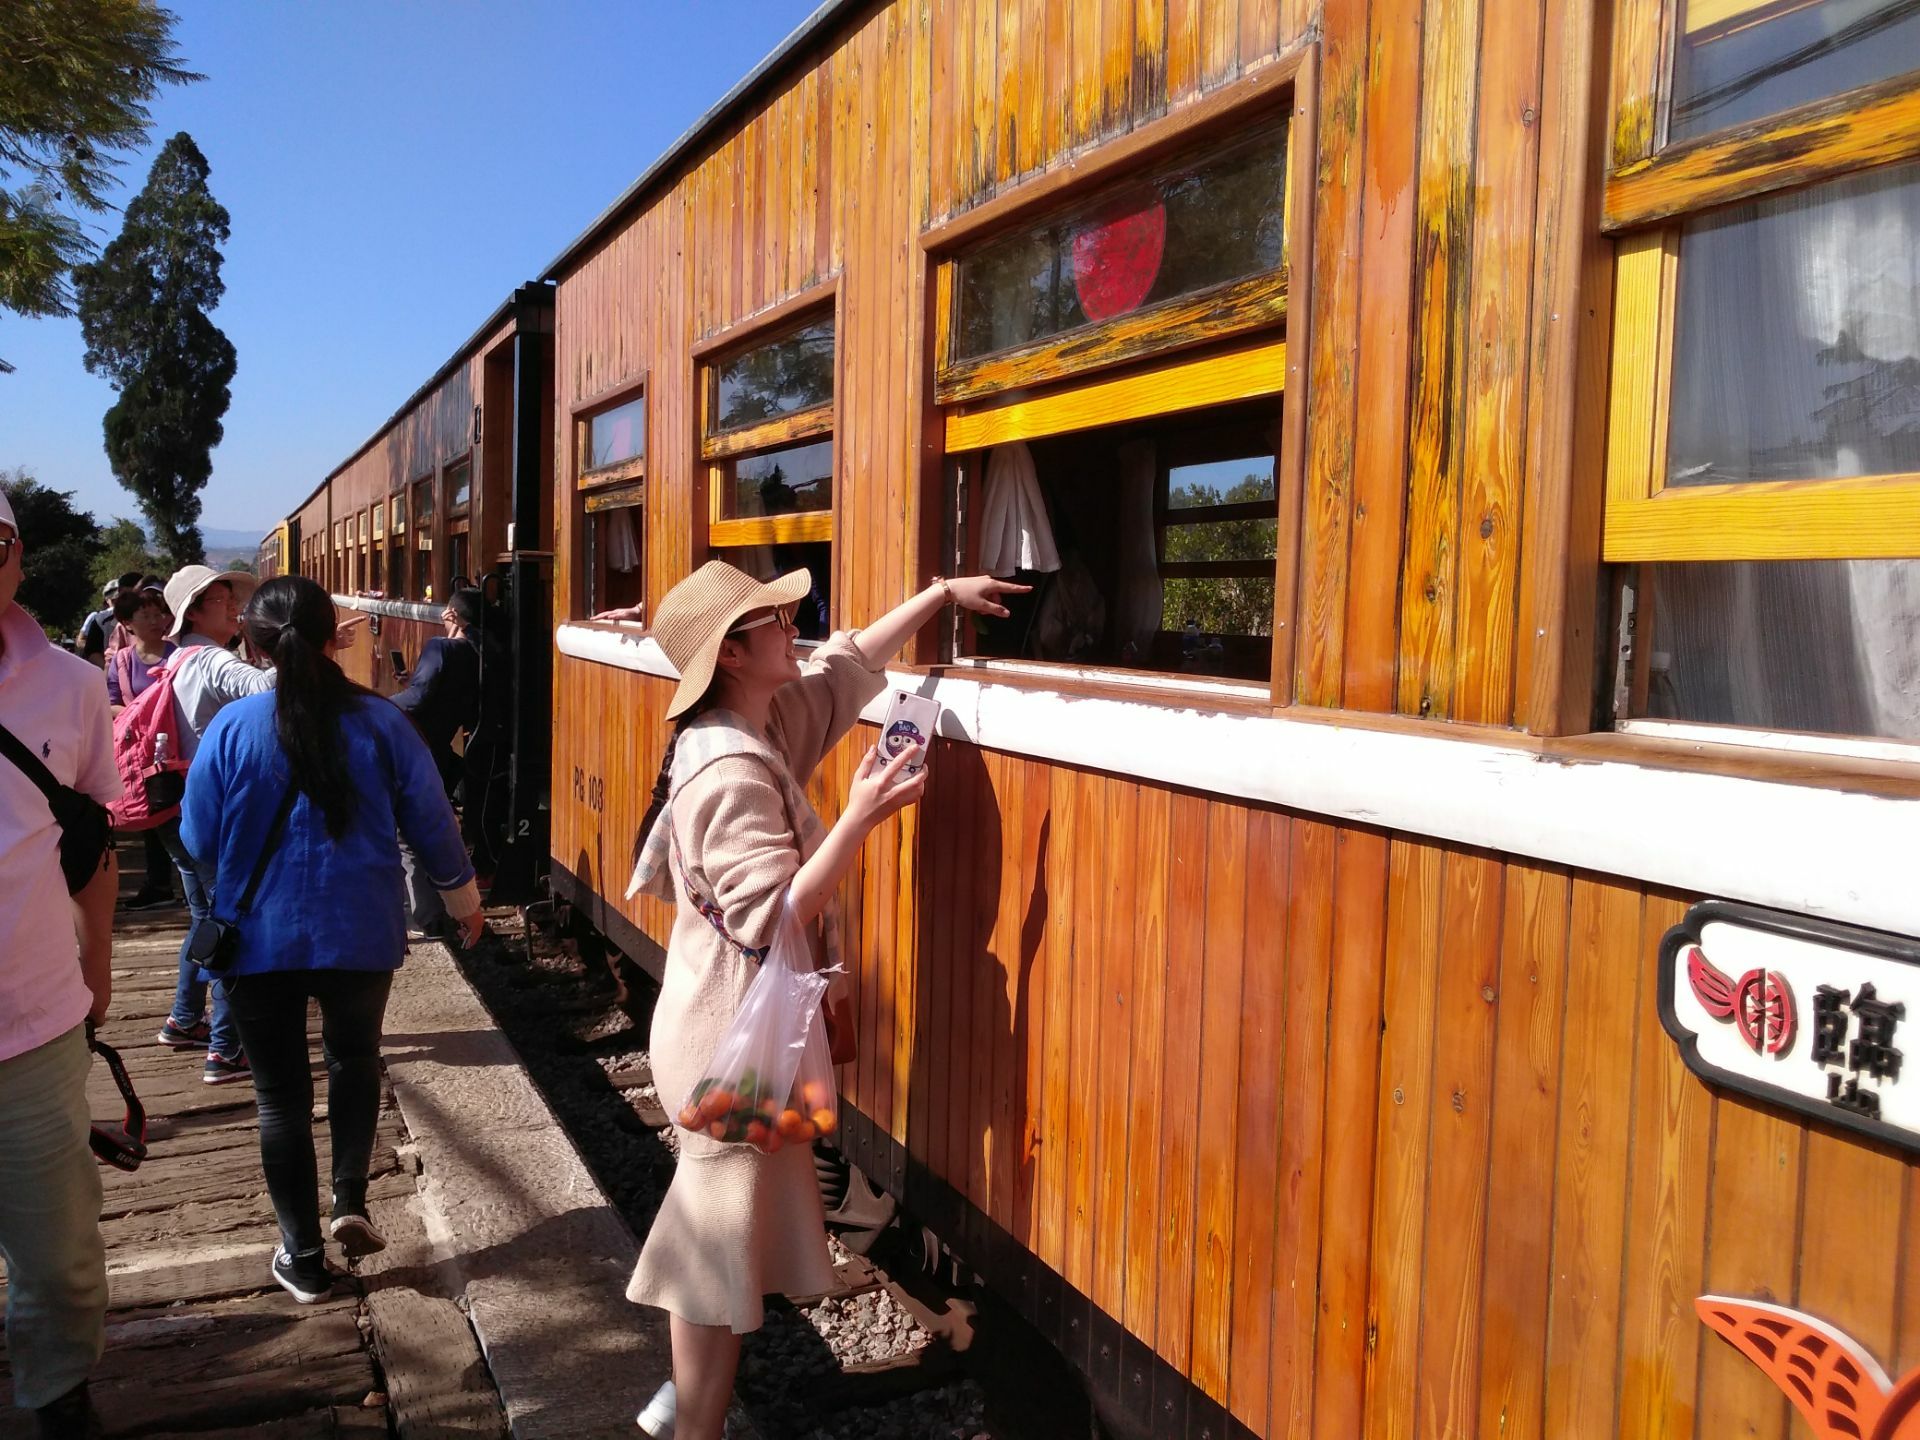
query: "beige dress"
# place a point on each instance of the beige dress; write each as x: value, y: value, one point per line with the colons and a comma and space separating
x: 737, y: 1225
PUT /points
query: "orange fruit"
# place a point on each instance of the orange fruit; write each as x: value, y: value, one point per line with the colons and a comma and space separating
x: 774, y: 1142
x: 690, y: 1118
x: 803, y: 1131
x: 757, y: 1133
x: 817, y: 1094
x: 823, y: 1121
x: 718, y: 1101
x: 718, y: 1129
x: 790, y: 1122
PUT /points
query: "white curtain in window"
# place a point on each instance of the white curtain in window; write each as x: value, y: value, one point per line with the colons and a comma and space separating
x: 1797, y: 342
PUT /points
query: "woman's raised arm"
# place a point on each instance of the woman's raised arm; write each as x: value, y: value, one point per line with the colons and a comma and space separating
x: 882, y: 640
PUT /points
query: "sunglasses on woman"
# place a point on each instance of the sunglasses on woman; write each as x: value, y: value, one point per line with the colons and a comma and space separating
x: 782, y: 613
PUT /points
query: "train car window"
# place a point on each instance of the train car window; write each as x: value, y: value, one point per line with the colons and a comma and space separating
x: 338, y: 580
x: 1151, y: 545
x: 1194, y: 251
x: 365, y: 579
x: 1736, y: 61
x: 779, y: 377
x: 614, y: 439
x: 459, y: 487
x: 767, y: 441
x: 1763, y: 457
x: 616, y: 539
x: 397, y: 549
x: 420, y: 579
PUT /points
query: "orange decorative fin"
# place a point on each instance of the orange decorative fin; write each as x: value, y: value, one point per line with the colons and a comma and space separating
x: 1829, y: 1376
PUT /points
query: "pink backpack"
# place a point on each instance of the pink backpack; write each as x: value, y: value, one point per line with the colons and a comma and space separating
x: 150, y: 791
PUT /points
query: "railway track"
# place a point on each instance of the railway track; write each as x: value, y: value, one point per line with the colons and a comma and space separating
x: 904, y: 1347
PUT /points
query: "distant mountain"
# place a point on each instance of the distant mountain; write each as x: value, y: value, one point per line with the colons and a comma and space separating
x: 231, y: 539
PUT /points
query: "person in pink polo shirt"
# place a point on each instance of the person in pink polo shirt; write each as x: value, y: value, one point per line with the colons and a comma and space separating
x: 55, y: 975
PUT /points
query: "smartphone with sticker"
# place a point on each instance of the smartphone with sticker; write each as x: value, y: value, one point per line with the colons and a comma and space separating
x: 911, y: 720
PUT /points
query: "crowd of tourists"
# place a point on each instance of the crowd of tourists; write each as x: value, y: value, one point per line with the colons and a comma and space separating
x: 313, y: 831
x: 207, y: 714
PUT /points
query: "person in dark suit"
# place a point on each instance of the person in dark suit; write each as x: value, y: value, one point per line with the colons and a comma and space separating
x: 443, y: 700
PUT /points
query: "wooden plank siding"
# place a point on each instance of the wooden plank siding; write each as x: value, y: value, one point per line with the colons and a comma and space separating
x: 1358, y: 1133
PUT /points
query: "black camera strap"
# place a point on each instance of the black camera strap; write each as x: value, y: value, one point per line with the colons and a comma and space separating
x: 266, y: 850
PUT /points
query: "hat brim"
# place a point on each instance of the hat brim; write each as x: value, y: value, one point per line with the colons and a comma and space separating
x: 243, y: 583
x: 788, y: 589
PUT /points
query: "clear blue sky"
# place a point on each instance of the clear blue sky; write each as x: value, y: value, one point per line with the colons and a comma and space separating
x: 393, y: 168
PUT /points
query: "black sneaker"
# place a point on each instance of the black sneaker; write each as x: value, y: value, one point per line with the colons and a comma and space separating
x: 356, y: 1234
x: 185, y: 1037
x: 304, y: 1276
x: 222, y: 1071
x: 150, y: 900
x: 71, y: 1417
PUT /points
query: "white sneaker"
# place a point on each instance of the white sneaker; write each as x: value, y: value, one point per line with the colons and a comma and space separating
x: 657, y: 1419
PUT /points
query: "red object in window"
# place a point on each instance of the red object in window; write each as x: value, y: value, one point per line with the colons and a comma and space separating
x: 1117, y: 258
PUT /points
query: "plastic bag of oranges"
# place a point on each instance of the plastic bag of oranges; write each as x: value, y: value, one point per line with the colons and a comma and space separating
x: 770, y: 1082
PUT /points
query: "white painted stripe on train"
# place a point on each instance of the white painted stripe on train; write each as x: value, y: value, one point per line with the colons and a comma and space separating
x: 1813, y: 851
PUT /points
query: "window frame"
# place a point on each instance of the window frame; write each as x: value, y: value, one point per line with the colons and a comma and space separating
x: 1651, y: 188
x: 1262, y: 360
x: 1249, y: 305
x: 621, y: 472
x: 423, y: 535
x: 716, y: 449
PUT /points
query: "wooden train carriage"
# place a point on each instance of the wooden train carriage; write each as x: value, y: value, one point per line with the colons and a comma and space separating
x: 427, y: 503
x: 271, y: 558
x: 1462, y: 453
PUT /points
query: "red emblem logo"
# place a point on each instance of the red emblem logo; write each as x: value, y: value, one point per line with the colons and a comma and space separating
x: 1117, y: 258
x: 1760, y: 1005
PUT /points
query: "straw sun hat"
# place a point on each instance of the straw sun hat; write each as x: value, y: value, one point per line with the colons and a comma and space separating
x: 696, y: 614
x: 190, y: 580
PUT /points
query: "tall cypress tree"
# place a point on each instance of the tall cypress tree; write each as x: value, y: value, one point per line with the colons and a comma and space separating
x: 143, y: 310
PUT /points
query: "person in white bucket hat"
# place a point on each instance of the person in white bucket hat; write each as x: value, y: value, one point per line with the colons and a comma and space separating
x: 206, y: 605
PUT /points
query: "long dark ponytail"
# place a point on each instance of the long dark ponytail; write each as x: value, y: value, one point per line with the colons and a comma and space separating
x: 663, y: 782
x: 290, y: 619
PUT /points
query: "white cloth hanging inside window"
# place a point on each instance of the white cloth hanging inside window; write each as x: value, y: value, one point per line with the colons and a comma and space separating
x: 1015, y: 533
x: 623, y: 550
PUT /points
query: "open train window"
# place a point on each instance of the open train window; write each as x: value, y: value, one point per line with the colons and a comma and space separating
x: 610, y: 450
x: 377, y: 574
x: 767, y: 414
x: 1763, y: 459
x: 1151, y: 545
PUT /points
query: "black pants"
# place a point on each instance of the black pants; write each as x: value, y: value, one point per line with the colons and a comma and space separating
x: 271, y: 1012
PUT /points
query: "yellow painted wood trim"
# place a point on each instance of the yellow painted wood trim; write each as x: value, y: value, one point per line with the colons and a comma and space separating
x: 1877, y: 125
x: 1164, y: 390
x: 794, y: 426
x: 1855, y: 519
x: 1638, y: 270
x: 1713, y: 14
x: 803, y: 529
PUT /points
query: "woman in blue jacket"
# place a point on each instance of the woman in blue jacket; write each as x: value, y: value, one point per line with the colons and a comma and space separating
x: 310, y: 783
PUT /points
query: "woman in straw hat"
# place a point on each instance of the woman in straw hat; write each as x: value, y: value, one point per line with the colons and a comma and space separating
x: 730, y: 839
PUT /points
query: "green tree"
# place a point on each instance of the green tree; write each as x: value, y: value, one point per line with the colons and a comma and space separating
x: 238, y: 563
x: 75, y: 79
x: 1223, y: 605
x: 61, y: 542
x: 143, y: 310
x: 123, y: 548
